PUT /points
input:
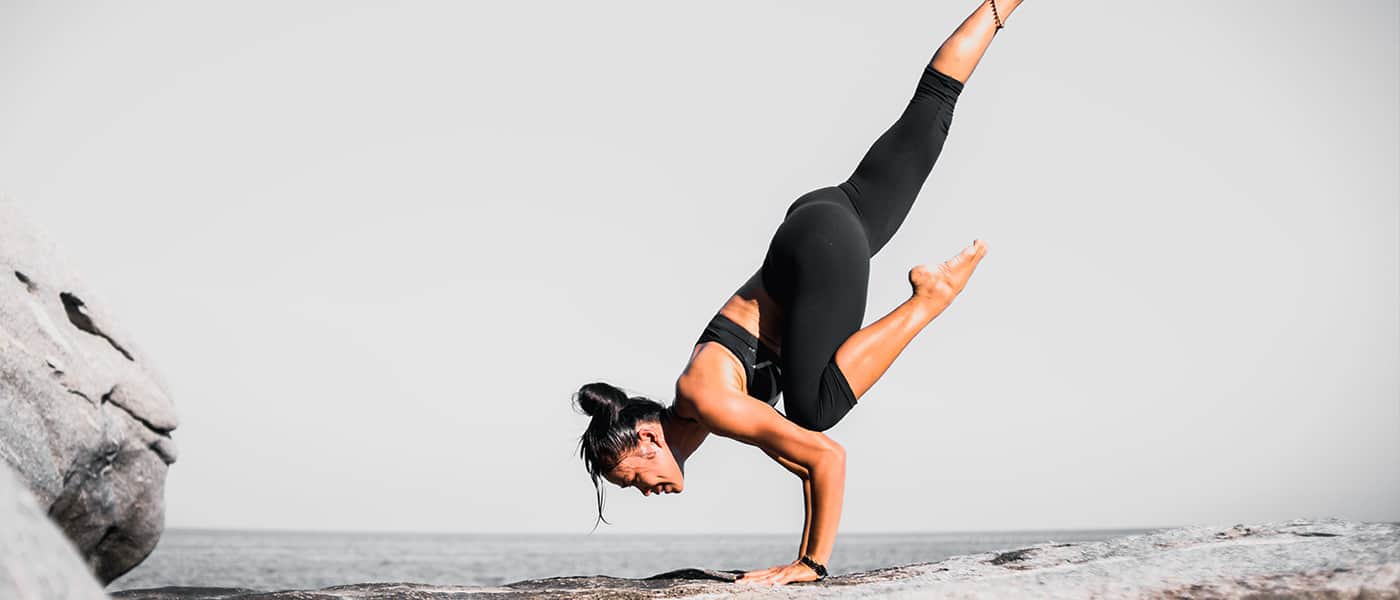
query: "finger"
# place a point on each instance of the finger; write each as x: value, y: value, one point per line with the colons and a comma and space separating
x: 974, y: 251
x: 757, y: 572
x: 955, y: 265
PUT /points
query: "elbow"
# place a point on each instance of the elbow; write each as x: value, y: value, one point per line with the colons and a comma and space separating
x: 837, y: 450
x: 834, y: 457
x: 826, y: 464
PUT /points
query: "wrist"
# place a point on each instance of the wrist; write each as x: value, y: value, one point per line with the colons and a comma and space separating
x: 816, y: 567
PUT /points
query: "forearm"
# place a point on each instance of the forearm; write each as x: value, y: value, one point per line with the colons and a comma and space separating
x: 805, y: 476
x: 828, y: 485
x: 806, y: 515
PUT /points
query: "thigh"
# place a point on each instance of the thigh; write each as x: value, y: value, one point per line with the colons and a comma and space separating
x: 818, y: 270
x: 821, y: 242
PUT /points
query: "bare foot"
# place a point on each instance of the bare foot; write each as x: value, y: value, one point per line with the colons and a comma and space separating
x: 942, y: 284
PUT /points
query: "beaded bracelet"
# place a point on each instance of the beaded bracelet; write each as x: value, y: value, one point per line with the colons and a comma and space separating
x: 996, y: 17
x: 819, y: 568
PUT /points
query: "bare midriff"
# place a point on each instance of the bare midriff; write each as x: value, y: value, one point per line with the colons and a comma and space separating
x: 753, y: 309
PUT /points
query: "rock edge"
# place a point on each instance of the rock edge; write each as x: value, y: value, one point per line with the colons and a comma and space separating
x: 1326, y: 558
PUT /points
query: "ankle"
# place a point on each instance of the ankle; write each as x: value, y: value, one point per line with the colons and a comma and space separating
x: 925, y: 306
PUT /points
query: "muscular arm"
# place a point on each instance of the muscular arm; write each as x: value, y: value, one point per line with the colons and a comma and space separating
x: 735, y: 415
x: 801, y: 473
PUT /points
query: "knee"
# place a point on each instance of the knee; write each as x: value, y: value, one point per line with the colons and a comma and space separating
x: 825, y: 406
x: 813, y: 420
x: 819, y: 415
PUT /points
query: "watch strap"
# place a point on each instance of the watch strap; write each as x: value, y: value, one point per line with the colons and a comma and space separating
x: 819, y: 568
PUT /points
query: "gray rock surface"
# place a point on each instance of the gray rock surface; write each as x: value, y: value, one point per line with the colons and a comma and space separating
x: 86, y: 422
x: 36, y: 561
x: 1297, y: 559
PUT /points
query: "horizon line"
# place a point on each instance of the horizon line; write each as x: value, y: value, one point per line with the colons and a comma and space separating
x: 659, y: 533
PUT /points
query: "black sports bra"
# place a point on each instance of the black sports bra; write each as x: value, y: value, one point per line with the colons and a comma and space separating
x: 762, y: 367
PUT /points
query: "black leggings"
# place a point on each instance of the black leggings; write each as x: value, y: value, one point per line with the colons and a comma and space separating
x: 818, y: 263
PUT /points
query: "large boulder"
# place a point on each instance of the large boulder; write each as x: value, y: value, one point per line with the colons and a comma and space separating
x: 86, y: 420
x: 36, y: 561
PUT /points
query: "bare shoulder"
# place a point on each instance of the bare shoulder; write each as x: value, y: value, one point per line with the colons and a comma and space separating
x: 711, y: 364
x: 711, y: 368
x: 710, y: 388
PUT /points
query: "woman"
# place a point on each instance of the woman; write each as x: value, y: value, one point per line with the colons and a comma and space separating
x: 794, y: 326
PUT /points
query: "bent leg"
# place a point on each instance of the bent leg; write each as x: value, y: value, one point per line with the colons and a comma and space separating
x: 820, y: 386
x: 866, y: 355
x: 817, y: 268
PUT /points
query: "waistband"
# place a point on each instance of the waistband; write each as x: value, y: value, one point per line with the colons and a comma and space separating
x: 725, y: 326
x: 731, y: 335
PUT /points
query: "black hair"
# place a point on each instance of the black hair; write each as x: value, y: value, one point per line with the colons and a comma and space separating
x: 613, y: 431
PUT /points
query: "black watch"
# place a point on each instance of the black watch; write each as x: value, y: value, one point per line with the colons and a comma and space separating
x: 814, y: 565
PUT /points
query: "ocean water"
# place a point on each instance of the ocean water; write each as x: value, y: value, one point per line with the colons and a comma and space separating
x: 282, y: 560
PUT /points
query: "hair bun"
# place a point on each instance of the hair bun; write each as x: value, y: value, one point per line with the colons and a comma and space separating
x: 600, y: 399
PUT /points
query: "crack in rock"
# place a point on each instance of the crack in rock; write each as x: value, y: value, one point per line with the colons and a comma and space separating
x: 77, y: 314
x: 163, y: 446
x: 1012, y: 556
x: 112, y: 398
x: 28, y: 283
x: 1239, y: 530
x: 79, y: 394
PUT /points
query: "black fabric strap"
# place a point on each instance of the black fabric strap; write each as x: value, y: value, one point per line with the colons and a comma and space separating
x: 819, y: 568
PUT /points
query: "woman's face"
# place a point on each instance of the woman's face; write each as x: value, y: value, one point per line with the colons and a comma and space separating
x: 650, y: 467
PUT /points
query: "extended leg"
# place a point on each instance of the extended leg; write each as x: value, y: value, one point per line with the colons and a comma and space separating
x: 868, y: 353
x: 817, y: 265
x: 887, y: 180
x: 959, y: 54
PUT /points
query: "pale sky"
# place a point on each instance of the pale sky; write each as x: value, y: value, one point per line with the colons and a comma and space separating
x: 374, y: 248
